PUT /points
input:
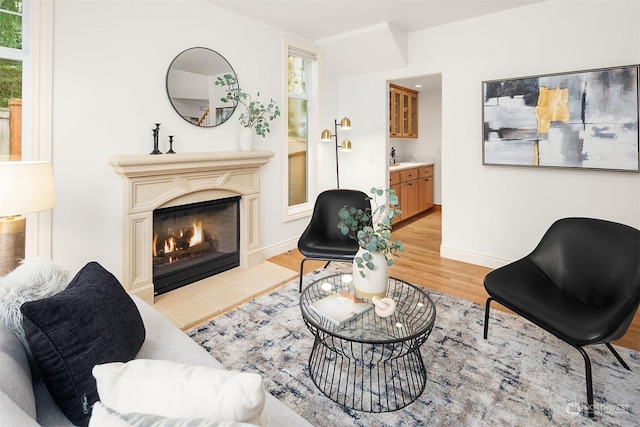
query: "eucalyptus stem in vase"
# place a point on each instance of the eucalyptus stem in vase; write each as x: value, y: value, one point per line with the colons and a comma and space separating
x: 256, y: 115
x: 371, y: 228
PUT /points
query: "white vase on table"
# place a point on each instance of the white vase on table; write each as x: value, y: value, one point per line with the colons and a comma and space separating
x: 375, y: 282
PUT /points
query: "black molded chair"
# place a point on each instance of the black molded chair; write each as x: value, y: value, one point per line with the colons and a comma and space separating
x: 581, y: 283
x: 322, y: 240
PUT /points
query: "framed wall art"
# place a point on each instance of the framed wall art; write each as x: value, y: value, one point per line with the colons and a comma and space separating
x: 583, y: 120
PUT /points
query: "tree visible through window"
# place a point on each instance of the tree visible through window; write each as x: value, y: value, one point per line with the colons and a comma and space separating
x: 11, y: 61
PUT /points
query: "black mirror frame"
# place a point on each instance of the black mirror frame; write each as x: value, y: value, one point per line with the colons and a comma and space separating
x: 227, y: 114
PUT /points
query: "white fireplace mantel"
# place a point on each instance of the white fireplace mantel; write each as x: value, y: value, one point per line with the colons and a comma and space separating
x: 158, y: 181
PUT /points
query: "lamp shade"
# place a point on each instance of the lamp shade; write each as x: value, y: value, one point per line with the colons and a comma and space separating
x: 346, y: 145
x: 326, y: 135
x: 25, y: 187
x: 345, y: 123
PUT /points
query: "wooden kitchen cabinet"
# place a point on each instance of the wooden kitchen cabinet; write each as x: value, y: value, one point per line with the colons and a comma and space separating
x: 414, y: 187
x: 403, y: 111
x: 394, y: 184
x: 409, y: 194
x: 425, y: 188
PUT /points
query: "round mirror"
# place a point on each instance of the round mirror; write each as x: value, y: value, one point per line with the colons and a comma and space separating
x: 191, y: 88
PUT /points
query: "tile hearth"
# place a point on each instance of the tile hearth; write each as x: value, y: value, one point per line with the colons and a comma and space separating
x: 198, y: 302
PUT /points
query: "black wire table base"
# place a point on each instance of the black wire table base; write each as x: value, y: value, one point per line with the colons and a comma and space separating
x: 367, y: 377
x: 370, y: 363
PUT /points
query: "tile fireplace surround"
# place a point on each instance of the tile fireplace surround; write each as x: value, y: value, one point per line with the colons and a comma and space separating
x: 159, y: 181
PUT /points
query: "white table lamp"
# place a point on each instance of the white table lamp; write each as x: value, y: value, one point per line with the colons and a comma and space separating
x: 25, y: 187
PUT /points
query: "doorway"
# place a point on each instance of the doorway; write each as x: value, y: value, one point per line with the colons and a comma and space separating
x: 427, y: 147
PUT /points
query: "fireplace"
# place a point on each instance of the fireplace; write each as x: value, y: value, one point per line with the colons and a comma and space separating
x: 194, y: 241
x: 151, y: 183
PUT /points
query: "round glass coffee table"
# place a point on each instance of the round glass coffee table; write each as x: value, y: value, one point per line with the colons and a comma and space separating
x: 370, y: 363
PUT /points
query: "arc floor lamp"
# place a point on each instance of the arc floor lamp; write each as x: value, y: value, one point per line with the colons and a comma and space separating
x: 345, y: 124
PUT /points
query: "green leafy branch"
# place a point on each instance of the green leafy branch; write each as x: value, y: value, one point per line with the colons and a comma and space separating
x: 257, y: 115
x: 372, y: 228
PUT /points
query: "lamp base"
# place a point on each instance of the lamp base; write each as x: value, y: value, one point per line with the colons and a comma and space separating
x: 12, y: 242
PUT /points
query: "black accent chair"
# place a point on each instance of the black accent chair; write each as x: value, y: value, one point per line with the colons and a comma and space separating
x: 581, y: 283
x: 322, y: 240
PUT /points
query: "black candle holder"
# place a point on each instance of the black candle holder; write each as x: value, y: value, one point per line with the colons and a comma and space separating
x: 171, y: 145
x: 156, y: 131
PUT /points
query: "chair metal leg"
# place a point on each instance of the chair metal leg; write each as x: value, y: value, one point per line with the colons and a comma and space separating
x: 587, y: 361
x: 615, y: 353
x: 301, y: 274
x: 327, y: 264
x: 587, y: 371
x: 486, y: 317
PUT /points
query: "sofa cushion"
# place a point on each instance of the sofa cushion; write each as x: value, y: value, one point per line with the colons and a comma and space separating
x: 12, y: 415
x: 92, y: 321
x: 102, y: 416
x: 33, y: 279
x: 15, y: 379
x: 178, y: 390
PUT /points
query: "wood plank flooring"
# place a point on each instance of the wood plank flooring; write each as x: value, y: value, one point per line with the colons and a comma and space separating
x: 422, y: 265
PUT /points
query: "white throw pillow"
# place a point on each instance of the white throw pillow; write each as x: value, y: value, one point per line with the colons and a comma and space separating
x: 102, y: 416
x: 177, y: 390
x: 35, y: 278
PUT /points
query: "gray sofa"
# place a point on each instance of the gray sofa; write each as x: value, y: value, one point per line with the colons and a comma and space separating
x: 24, y: 402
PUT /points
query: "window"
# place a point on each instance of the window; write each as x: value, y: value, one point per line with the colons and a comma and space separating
x: 26, y: 58
x: 301, y: 113
x: 12, y: 57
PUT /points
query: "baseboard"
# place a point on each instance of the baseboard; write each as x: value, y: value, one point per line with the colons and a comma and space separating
x: 279, y: 248
x: 472, y: 258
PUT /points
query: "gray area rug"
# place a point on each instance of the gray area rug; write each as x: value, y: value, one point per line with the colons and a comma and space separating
x: 521, y: 375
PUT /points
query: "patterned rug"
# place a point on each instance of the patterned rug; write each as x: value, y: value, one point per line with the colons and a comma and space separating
x: 520, y: 375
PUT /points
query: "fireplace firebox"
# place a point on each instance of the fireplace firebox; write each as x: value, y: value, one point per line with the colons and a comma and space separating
x: 195, y: 241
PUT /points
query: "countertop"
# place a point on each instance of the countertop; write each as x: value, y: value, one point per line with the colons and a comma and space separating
x: 409, y: 165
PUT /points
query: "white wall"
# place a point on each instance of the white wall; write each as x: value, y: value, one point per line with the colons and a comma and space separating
x: 430, y: 110
x: 110, y: 64
x: 495, y: 214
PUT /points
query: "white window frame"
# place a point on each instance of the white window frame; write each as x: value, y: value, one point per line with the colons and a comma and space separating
x: 37, y: 88
x: 291, y: 213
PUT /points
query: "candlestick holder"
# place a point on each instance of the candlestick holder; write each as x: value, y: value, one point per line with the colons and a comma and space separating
x: 156, y: 131
x: 171, y: 145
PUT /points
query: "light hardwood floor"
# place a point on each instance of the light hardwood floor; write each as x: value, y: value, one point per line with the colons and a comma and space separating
x: 422, y: 265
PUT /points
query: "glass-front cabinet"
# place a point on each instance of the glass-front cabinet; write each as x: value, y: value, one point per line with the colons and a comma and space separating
x: 403, y: 110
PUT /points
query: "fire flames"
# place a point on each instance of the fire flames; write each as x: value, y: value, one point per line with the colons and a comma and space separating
x: 198, y: 235
x: 175, y: 243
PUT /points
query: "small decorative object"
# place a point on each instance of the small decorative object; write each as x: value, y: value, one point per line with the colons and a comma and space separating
x: 372, y: 230
x: 171, y: 145
x: 156, y: 131
x: 257, y: 115
x: 384, y: 306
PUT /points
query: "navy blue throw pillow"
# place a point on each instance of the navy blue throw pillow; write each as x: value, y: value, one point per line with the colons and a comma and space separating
x: 91, y: 322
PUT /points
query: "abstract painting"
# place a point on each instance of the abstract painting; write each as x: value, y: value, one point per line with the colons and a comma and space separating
x: 586, y: 119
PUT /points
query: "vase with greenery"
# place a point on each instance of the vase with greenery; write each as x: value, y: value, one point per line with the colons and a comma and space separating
x: 371, y: 228
x: 257, y: 115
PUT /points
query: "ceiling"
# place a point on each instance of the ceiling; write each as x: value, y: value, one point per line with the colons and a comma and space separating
x: 317, y: 20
